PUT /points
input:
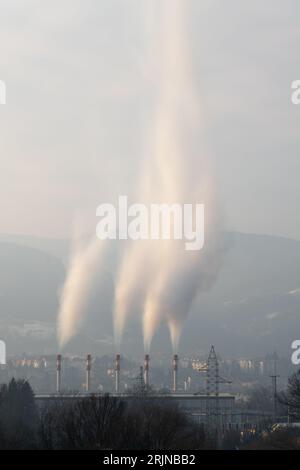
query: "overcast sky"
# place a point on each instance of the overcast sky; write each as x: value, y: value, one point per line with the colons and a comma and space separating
x: 80, y: 87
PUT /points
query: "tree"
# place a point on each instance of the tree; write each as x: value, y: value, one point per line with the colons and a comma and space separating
x: 291, y: 398
x: 155, y: 424
x: 18, y: 415
x: 109, y: 423
x: 92, y: 423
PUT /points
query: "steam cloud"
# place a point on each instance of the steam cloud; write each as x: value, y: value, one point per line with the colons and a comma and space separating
x: 158, y: 280
x: 84, y: 264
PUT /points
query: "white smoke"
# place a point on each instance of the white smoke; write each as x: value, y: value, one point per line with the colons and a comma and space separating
x: 158, y: 279
x: 84, y: 263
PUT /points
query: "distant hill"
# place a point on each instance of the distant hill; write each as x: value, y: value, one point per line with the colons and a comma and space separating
x: 253, y: 307
x: 29, y: 283
x: 53, y: 246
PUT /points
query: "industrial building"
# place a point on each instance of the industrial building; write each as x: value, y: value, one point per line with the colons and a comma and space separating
x: 212, y: 409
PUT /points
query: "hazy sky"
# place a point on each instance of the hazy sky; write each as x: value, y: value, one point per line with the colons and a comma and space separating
x: 80, y: 80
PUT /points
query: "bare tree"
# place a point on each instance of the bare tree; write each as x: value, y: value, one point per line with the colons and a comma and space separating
x: 291, y: 398
x: 82, y: 424
x: 154, y: 424
x: 110, y: 423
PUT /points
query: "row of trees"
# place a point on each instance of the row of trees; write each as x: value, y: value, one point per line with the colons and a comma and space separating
x: 94, y: 423
x: 142, y: 423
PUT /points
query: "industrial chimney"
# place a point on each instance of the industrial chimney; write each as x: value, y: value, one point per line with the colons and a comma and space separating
x: 175, y: 369
x: 117, y: 370
x: 58, y: 373
x: 88, y: 372
x: 146, y: 370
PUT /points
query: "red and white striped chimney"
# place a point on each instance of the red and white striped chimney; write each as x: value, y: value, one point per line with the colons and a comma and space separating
x: 175, y: 369
x: 146, y: 370
x: 117, y: 370
x: 88, y: 372
x: 58, y: 373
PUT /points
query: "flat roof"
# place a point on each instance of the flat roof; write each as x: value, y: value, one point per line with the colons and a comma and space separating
x: 187, y: 396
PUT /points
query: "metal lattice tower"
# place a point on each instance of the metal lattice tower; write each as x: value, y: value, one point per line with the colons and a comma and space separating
x: 140, y: 380
x: 213, y: 379
x: 139, y: 386
x: 212, y: 374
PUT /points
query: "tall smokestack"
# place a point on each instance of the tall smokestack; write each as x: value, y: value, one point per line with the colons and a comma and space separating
x: 117, y: 369
x: 146, y: 370
x: 88, y: 372
x: 175, y: 369
x: 58, y: 373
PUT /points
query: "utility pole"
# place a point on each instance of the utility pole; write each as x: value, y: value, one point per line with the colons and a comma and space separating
x: 274, y: 378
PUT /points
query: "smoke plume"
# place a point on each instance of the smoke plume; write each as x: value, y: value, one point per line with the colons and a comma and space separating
x: 159, y: 279
x: 84, y: 263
